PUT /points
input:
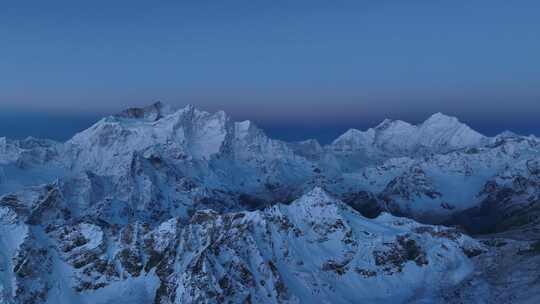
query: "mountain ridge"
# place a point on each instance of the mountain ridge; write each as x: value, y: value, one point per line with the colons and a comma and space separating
x: 186, y: 206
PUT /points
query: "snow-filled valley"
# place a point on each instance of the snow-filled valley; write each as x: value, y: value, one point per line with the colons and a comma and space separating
x: 162, y: 205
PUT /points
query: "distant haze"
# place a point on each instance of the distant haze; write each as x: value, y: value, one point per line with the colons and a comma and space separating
x: 297, y: 68
x: 62, y: 126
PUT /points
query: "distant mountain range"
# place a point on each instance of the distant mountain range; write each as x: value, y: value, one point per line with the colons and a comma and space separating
x: 157, y: 205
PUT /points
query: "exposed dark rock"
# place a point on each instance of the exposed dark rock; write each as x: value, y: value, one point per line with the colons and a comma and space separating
x: 131, y: 261
x: 339, y: 268
x: 400, y: 252
x: 364, y: 202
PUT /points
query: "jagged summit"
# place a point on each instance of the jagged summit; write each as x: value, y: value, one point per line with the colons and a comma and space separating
x: 152, y: 112
x: 431, y: 131
x: 187, y: 133
x: 156, y: 205
x: 309, y: 148
x: 111, y: 142
x: 440, y: 118
x: 391, y: 123
x: 318, y: 194
x: 439, y: 133
x: 442, y: 131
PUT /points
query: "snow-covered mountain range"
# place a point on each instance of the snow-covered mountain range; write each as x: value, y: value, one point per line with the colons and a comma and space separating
x: 156, y: 205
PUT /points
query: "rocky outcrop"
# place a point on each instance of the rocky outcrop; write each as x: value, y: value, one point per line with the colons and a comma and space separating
x: 164, y: 206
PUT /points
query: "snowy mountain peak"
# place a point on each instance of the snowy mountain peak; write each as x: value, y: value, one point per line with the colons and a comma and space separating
x: 245, y: 129
x: 354, y: 139
x: 351, y: 133
x: 185, y: 134
x: 316, y: 204
x: 440, y: 122
x: 446, y: 132
x: 151, y: 206
x: 311, y: 142
x: 508, y: 133
x: 439, y: 133
x: 440, y: 118
x: 385, y: 122
x: 318, y: 194
x: 391, y: 124
x: 188, y: 108
x: 152, y: 112
x: 110, y: 143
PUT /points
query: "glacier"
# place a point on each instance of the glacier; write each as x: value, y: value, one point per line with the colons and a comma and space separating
x: 163, y: 205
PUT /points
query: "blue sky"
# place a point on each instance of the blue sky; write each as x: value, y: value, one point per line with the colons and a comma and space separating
x: 290, y: 65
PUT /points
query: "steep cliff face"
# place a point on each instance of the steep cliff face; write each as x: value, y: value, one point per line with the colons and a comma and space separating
x: 156, y: 147
x: 438, y: 134
x: 185, y: 206
x: 509, y: 200
x: 315, y: 249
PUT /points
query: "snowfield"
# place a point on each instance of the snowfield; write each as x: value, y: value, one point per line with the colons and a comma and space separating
x: 156, y: 205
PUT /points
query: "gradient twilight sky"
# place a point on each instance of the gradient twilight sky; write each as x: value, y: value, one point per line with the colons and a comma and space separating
x: 298, y: 68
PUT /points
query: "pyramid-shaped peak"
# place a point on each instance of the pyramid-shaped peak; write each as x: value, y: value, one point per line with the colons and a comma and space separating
x: 387, y: 123
x: 318, y: 194
x: 440, y: 118
x: 351, y: 133
x: 317, y: 205
x: 440, y: 121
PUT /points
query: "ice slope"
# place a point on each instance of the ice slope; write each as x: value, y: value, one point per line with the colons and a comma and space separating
x: 314, y: 250
x: 182, y: 206
x: 412, y: 170
x: 28, y: 162
x: 438, y: 134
